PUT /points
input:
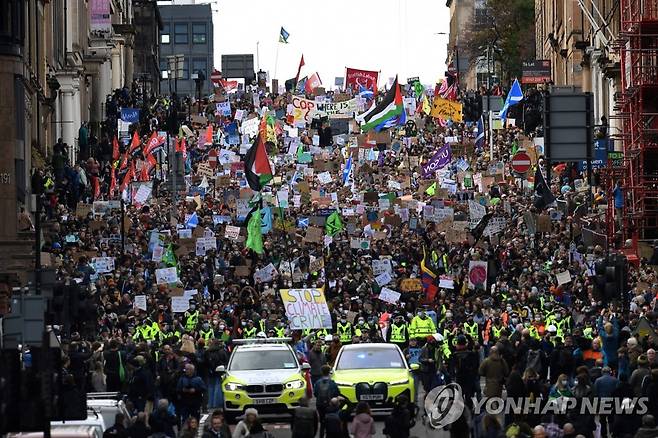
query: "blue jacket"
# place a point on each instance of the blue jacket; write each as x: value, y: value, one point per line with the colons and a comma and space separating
x: 609, y: 342
x: 605, y: 385
x: 333, y: 388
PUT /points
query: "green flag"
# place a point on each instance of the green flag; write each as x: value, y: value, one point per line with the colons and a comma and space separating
x: 254, y: 233
x: 418, y: 89
x: 169, y: 257
x: 431, y: 190
x: 515, y: 147
x: 334, y: 224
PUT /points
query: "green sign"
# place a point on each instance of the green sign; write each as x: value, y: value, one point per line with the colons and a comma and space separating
x: 616, y: 158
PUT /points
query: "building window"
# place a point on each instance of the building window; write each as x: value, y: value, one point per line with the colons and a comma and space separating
x: 199, y: 33
x: 180, y: 33
x: 200, y: 64
x: 186, y: 69
x: 164, y: 35
x: 164, y: 69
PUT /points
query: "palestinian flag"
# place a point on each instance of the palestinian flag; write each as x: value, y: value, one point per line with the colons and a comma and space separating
x: 257, y: 165
x: 385, y: 114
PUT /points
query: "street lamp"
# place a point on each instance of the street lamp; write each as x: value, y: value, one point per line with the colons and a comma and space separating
x: 199, y: 79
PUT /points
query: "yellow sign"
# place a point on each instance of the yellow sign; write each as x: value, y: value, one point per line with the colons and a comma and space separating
x: 411, y: 285
x: 446, y: 109
x: 306, y: 308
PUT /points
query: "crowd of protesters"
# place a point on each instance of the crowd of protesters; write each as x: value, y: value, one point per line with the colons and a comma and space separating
x: 526, y: 333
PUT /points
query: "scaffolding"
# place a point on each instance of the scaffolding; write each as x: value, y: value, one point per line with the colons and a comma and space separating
x: 637, y: 106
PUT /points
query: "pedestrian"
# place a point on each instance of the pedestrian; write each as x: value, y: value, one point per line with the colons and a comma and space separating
x: 494, y: 369
x: 401, y: 419
x: 190, y: 428
x: 304, y: 420
x: 316, y: 359
x: 162, y: 421
x: 115, y: 370
x: 324, y: 390
x: 142, y: 384
x: 335, y: 420
x: 257, y: 430
x: 118, y: 430
x: 218, y: 427
x: 139, y: 429
x: 244, y: 426
x: 363, y: 425
x: 191, y: 389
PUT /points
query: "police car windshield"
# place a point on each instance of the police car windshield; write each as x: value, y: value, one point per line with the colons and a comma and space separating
x: 374, y: 358
x: 262, y: 360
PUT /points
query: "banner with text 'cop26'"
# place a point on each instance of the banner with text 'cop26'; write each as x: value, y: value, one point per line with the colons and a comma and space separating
x: 306, y: 308
x: 438, y: 161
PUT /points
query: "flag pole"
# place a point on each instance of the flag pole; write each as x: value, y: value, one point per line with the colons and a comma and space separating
x: 276, y: 59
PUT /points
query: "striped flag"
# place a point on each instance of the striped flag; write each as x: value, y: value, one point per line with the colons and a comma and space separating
x: 385, y: 114
x: 479, y: 140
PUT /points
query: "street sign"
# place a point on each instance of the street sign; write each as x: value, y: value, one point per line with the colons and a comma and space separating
x: 212, y: 158
x: 616, y: 159
x: 521, y: 162
x: 536, y: 71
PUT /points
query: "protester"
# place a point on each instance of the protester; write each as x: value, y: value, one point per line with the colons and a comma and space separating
x: 243, y: 428
x: 478, y: 254
x: 305, y: 420
x: 363, y: 425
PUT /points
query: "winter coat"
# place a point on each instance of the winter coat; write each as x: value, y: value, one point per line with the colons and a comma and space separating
x: 494, y: 371
x: 363, y: 426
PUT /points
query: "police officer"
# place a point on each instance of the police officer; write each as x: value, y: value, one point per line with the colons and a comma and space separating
x: 362, y: 327
x: 398, y: 332
x: 421, y: 326
x: 191, y: 318
x: 280, y: 329
x: 344, y: 330
x: 206, y: 332
x: 249, y: 331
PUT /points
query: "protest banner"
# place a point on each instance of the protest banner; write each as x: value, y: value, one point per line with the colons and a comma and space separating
x: 265, y: 274
x: 232, y: 232
x: 103, y: 265
x: 411, y: 285
x: 446, y: 109
x: 389, y: 296
x: 438, y: 161
x: 381, y: 266
x: 166, y: 275
x: 383, y: 279
x: 357, y: 79
x: 180, y: 304
x: 306, y: 308
x: 140, y: 302
x: 477, y: 274
x: 333, y: 108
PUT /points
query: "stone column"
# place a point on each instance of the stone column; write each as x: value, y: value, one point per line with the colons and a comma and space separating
x: 117, y: 73
x: 70, y: 113
x: 130, y: 69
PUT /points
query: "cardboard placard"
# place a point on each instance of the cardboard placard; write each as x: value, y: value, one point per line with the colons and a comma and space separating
x: 411, y: 285
x: 242, y: 271
x: 82, y: 210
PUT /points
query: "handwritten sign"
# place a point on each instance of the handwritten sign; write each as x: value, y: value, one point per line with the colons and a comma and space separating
x: 166, y: 275
x: 140, y: 302
x: 446, y: 109
x: 265, y: 274
x: 306, y: 308
x: 103, y: 265
x: 389, y: 296
x: 411, y: 285
x: 180, y: 304
x: 232, y: 232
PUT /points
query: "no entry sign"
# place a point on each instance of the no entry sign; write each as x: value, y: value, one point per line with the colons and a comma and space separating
x: 521, y: 162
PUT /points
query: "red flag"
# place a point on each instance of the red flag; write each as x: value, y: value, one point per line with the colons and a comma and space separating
x: 208, y: 135
x: 115, y: 149
x: 134, y: 144
x: 151, y: 143
x: 97, y: 187
x: 299, y: 69
x: 312, y: 83
x: 124, y: 161
x: 355, y: 78
x: 113, y: 182
x: 128, y: 177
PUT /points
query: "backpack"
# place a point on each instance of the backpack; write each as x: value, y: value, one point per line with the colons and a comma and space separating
x: 304, y: 422
x: 323, y: 394
x: 333, y: 425
x: 535, y: 361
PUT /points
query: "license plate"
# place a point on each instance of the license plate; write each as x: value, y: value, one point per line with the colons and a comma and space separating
x: 371, y: 397
x: 264, y: 401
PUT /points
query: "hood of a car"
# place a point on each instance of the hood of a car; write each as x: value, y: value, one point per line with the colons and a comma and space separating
x: 386, y: 375
x: 255, y: 377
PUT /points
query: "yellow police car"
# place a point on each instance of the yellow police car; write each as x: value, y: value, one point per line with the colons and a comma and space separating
x: 264, y: 374
x: 373, y: 373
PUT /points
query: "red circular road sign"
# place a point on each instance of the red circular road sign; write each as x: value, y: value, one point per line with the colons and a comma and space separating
x: 521, y: 162
x: 212, y: 158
